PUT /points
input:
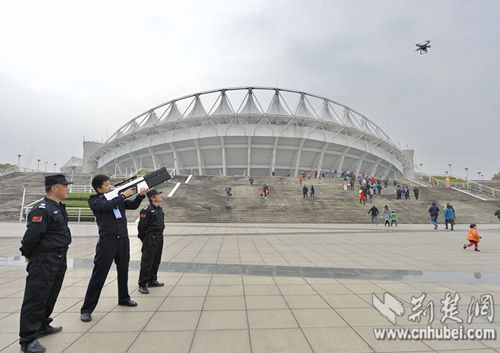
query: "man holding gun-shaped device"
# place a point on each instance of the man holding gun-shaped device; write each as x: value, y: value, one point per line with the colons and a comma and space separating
x: 108, y: 206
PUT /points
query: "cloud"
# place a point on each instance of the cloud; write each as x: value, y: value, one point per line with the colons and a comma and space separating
x: 91, y: 66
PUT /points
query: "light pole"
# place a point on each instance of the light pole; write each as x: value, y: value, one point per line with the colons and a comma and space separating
x: 18, y: 161
x: 38, y: 165
x: 467, y: 176
x: 478, y: 175
x: 46, y: 164
x: 449, y: 168
x: 55, y: 166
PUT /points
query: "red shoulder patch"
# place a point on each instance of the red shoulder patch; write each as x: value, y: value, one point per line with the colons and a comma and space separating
x: 143, y: 215
x: 36, y: 219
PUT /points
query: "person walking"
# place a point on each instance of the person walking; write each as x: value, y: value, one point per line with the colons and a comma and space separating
x: 394, y: 218
x: 434, y: 214
x: 305, y: 190
x: 416, y: 192
x: 265, y: 191
x: 312, y: 192
x: 44, y: 245
x: 407, y: 193
x: 228, y: 189
x: 449, y: 216
x: 387, y: 215
x: 362, y: 197
x: 374, y: 213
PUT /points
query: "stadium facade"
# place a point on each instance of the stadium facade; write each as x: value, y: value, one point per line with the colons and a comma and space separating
x: 250, y: 131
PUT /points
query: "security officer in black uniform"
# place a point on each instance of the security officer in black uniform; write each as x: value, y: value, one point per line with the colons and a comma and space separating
x: 44, y: 245
x: 151, y: 226
x: 113, y: 243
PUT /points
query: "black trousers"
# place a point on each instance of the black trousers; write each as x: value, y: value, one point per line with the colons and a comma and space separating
x: 152, y: 248
x: 43, y: 284
x: 108, y: 249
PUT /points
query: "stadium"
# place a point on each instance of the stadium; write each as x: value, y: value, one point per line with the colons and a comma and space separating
x: 249, y: 131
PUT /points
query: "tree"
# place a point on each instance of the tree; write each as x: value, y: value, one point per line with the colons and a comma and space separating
x: 496, y: 176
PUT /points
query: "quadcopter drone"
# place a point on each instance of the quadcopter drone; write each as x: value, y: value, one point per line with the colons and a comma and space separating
x: 422, y: 47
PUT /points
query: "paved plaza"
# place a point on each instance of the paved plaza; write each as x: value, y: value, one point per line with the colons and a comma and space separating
x: 265, y: 288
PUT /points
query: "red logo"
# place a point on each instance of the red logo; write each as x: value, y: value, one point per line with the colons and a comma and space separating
x: 36, y: 219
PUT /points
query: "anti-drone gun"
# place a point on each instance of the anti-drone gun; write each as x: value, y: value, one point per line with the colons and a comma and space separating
x: 148, y: 181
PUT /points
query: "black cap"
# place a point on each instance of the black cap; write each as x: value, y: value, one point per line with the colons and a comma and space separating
x: 56, y: 179
x: 152, y: 193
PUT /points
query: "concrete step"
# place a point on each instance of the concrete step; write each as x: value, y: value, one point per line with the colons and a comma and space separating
x: 204, y: 200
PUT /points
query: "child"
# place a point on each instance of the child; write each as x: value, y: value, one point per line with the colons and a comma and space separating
x: 394, y: 218
x: 386, y: 216
x: 473, y: 237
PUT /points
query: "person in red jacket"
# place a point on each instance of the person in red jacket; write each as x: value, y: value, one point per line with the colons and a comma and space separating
x: 362, y: 197
x: 473, y: 237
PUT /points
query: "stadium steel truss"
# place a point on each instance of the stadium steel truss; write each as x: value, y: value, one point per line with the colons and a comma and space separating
x: 251, y: 131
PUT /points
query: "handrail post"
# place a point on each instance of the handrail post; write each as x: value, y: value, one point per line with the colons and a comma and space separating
x: 22, y: 205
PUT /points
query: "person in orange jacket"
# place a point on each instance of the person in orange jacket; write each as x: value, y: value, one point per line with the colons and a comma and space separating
x: 473, y: 237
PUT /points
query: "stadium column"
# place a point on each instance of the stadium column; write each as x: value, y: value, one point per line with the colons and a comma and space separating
x: 223, y: 148
x: 249, y: 154
x: 133, y: 161
x: 198, y: 154
x: 375, y: 166
x: 321, y: 156
x: 176, y: 159
x: 386, y: 174
x: 299, y: 153
x: 340, y: 164
x: 273, y: 163
x: 153, y: 157
x: 360, y: 163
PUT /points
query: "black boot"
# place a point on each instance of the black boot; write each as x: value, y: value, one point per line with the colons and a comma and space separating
x: 33, y: 347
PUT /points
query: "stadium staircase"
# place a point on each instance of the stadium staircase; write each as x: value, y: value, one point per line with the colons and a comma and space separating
x: 203, y: 199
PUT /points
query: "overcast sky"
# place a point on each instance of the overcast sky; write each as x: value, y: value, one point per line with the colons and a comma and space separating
x: 75, y: 69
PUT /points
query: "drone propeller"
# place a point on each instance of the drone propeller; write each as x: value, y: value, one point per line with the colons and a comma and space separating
x: 423, y: 44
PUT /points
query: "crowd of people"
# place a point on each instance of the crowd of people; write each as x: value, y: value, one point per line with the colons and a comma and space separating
x: 369, y: 188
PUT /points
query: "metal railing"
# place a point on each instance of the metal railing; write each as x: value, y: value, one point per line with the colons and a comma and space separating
x: 483, y: 188
x: 77, y: 214
x: 468, y: 184
x: 80, y: 214
x: 81, y: 188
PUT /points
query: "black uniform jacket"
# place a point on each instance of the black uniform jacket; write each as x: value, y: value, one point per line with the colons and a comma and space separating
x: 151, y: 221
x: 110, y: 215
x: 47, y: 229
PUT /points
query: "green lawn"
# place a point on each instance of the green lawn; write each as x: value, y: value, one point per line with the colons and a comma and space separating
x: 452, y: 179
x: 78, y: 200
